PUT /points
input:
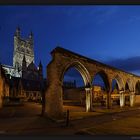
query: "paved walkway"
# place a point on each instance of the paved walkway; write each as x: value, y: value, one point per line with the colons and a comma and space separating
x: 26, y: 120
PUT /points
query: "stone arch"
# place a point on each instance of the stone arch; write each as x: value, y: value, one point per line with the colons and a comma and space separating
x: 80, y: 68
x: 129, y: 98
x: 120, y: 82
x: 62, y: 60
x: 137, y: 88
x: 127, y: 86
x: 118, y: 99
x: 86, y: 78
x: 105, y: 79
x: 107, y: 84
x: 54, y: 92
x: 130, y: 84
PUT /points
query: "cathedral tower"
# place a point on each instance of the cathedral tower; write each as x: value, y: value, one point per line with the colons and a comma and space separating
x: 22, y: 48
x: 24, y: 67
x: 40, y: 71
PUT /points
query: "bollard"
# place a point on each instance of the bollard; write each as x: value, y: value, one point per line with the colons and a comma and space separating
x: 67, y: 118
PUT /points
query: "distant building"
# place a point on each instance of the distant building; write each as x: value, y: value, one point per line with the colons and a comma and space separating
x: 78, y: 94
x: 69, y: 84
x: 22, y: 48
x: 4, y: 86
x: 23, y: 59
x: 11, y: 71
x: 30, y: 89
x: 25, y: 77
x: 97, y: 92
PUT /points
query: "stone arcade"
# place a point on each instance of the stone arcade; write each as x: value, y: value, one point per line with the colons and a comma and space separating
x: 63, y: 59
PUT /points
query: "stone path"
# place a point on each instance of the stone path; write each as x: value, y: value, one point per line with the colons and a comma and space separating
x: 26, y: 120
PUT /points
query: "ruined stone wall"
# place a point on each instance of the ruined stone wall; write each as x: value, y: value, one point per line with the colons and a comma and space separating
x: 62, y: 60
x: 73, y: 94
x: 137, y: 99
x: 1, y: 89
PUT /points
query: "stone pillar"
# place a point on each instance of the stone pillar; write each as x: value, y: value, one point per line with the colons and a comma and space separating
x: 132, y: 98
x: 53, y: 94
x: 91, y: 100
x: 88, y: 99
x: 109, y: 100
x: 54, y: 101
x: 1, y: 102
x: 122, y: 98
x: 1, y: 92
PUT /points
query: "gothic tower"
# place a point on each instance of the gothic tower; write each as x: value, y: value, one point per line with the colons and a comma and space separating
x: 22, y: 48
x: 24, y: 67
x: 40, y: 71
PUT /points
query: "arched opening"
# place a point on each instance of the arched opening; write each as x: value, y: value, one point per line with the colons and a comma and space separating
x: 100, y: 90
x: 73, y: 90
x: 127, y: 94
x: 115, y: 97
x: 137, y: 93
x: 75, y: 79
x: 137, y: 88
x: 127, y: 88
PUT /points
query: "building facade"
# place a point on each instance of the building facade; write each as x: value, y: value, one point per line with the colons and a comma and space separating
x: 23, y: 55
x: 26, y: 79
x: 22, y: 48
x: 4, y: 86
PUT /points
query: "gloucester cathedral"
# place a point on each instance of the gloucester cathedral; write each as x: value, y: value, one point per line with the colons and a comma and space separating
x: 23, y: 59
x: 26, y: 79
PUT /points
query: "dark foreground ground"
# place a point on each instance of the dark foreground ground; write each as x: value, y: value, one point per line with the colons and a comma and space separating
x: 26, y: 120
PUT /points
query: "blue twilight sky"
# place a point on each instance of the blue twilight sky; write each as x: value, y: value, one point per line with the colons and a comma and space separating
x: 109, y: 34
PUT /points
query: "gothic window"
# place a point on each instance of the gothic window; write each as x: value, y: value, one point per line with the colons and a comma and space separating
x: 17, y: 65
x: 19, y: 56
x: 28, y: 60
x: 22, y: 43
x: 28, y: 51
x: 19, y: 49
x: 22, y: 49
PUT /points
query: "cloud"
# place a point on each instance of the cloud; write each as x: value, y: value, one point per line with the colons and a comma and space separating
x: 131, y: 64
x: 134, y: 18
x: 104, y: 13
x: 88, y: 15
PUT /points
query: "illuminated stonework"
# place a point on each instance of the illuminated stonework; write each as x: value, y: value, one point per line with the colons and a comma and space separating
x: 23, y: 59
x: 63, y: 59
x: 22, y: 48
x: 4, y: 86
x: 11, y: 71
